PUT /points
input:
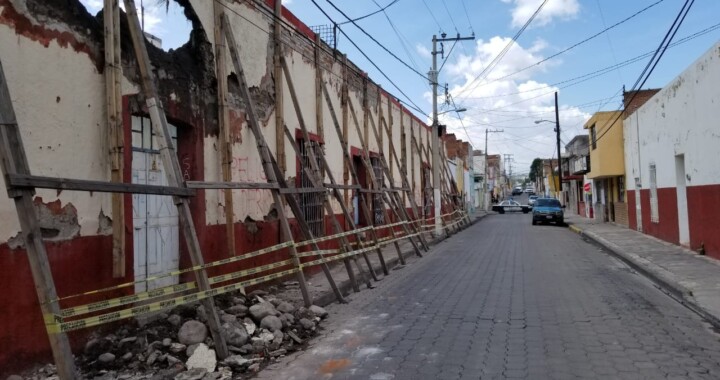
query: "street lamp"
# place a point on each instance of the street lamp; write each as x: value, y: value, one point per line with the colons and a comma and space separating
x: 455, y: 110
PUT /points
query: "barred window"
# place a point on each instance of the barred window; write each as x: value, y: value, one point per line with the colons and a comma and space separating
x: 378, y: 207
x: 311, y: 204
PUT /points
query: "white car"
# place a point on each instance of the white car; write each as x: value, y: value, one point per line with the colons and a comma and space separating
x: 510, y: 206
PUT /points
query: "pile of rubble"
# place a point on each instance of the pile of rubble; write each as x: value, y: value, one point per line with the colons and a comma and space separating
x: 258, y: 329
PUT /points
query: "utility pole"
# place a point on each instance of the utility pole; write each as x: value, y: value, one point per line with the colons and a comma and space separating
x: 485, y: 181
x: 433, y: 76
x: 557, y: 133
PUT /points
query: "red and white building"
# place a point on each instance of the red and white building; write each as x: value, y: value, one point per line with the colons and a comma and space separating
x: 672, y: 143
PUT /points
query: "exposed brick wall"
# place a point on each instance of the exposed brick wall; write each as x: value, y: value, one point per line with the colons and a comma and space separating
x: 640, y: 97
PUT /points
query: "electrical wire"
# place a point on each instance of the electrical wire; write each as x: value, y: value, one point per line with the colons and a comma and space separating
x: 382, y: 9
x: 652, y: 64
x: 507, y: 47
x: 368, y: 35
x: 414, y: 106
x: 587, y: 39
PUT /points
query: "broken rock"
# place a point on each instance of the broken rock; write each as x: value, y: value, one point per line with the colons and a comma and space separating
x: 106, y: 358
x: 192, y: 332
x: 262, y: 310
x: 318, y: 311
x: 174, y: 320
x: 234, y: 333
x: 271, y: 323
x: 285, y: 307
x: 236, y: 361
x: 237, y: 310
x: 306, y: 324
x: 287, y: 320
x: 202, y: 358
x: 177, y: 348
x: 193, y: 374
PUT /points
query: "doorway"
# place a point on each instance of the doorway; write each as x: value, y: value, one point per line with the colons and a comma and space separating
x: 155, y: 217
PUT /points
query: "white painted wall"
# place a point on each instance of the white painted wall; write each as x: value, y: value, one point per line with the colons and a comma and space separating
x: 60, y: 119
x: 683, y: 118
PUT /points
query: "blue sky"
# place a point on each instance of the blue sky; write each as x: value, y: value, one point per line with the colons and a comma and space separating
x: 511, y: 103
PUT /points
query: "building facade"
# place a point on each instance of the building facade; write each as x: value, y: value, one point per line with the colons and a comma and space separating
x: 68, y: 139
x: 577, y: 165
x: 672, y: 145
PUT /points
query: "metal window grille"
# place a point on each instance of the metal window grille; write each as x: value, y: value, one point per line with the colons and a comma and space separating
x: 654, y: 212
x: 328, y: 33
x: 378, y: 215
x: 311, y: 204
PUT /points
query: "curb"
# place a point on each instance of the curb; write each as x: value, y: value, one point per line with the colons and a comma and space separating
x: 345, y: 287
x: 670, y: 287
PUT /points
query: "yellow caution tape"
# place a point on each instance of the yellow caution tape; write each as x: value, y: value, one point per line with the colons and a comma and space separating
x: 331, y: 237
x: 186, y: 270
x: 54, y: 327
x: 318, y: 253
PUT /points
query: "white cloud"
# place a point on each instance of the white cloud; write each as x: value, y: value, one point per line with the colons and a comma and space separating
x: 287, y: 2
x: 511, y: 104
x: 423, y: 51
x: 523, y: 9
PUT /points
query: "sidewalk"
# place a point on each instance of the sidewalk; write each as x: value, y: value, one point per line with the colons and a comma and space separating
x: 319, y: 287
x: 692, y: 279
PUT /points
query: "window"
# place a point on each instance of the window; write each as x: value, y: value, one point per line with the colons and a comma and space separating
x: 144, y: 138
x: 311, y: 203
x: 593, y: 137
x: 654, y: 214
x: 621, y: 189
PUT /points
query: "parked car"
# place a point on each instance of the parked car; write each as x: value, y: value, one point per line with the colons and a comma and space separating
x: 530, y: 190
x: 548, y: 210
x: 517, y: 190
x: 531, y: 200
x: 510, y: 206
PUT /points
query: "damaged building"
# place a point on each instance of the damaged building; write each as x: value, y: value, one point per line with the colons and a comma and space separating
x: 55, y: 64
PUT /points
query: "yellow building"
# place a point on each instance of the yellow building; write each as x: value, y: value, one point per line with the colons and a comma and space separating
x: 607, y: 166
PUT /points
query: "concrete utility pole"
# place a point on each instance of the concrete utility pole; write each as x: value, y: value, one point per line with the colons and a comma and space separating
x: 557, y: 133
x: 433, y: 76
x: 485, y: 181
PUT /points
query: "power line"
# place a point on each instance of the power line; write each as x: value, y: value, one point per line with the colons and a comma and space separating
x: 382, y: 9
x: 433, y: 16
x: 507, y: 47
x: 369, y: 36
x: 414, y: 106
x: 650, y: 67
x: 574, y: 45
x: 353, y: 69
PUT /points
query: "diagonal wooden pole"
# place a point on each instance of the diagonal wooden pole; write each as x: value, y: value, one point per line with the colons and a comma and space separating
x: 362, y: 201
x: 405, y: 184
x: 396, y: 209
x: 316, y: 175
x: 172, y: 171
x: 14, y: 161
x: 273, y: 172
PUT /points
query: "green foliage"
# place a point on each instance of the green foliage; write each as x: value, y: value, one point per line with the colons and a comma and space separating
x: 536, y: 169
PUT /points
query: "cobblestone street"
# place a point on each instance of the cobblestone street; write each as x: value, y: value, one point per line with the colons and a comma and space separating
x: 504, y: 299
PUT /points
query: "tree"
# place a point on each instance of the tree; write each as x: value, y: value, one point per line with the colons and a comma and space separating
x: 536, y: 169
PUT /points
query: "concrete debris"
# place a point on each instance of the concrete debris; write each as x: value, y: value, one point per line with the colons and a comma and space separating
x: 271, y: 323
x: 258, y: 328
x: 106, y: 358
x: 234, y: 333
x: 192, y: 332
x: 174, y: 320
x: 203, y: 357
x: 262, y: 310
x: 318, y: 311
x: 193, y: 374
x: 285, y: 307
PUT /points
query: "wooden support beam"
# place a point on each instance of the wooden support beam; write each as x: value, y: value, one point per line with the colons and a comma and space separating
x: 345, y: 93
x: 225, y: 143
x: 342, y: 187
x: 171, y: 166
x: 14, y: 161
x: 32, y: 181
x: 273, y: 172
x: 298, y: 190
x: 362, y: 201
x: 279, y: 94
x: 396, y: 209
x: 116, y: 141
x: 315, y: 174
x: 231, y: 185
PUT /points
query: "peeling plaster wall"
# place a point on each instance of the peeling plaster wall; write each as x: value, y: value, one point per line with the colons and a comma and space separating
x: 60, y: 116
